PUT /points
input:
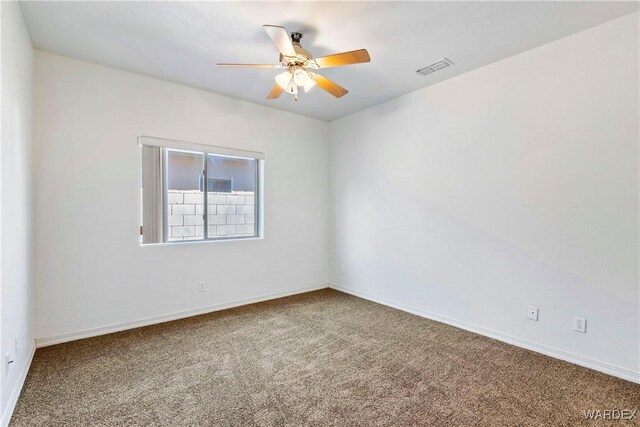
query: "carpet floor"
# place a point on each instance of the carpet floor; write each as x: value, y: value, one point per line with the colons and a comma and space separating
x: 318, y: 359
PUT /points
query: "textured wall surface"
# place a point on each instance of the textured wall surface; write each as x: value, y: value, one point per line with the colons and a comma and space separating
x: 17, y: 233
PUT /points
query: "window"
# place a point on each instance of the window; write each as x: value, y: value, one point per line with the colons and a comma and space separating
x: 192, y: 192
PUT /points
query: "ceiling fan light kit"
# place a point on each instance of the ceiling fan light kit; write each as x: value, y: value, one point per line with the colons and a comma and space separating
x: 290, y: 80
x: 301, y: 66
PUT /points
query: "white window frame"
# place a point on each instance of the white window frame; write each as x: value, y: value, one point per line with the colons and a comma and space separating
x: 205, y: 150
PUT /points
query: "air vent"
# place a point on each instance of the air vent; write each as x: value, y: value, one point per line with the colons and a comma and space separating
x: 438, y: 65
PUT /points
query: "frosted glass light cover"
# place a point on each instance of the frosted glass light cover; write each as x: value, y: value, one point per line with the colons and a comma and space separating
x: 284, y: 80
x: 309, y: 85
x: 301, y: 77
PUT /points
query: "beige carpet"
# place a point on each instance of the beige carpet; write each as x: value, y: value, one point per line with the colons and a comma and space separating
x: 322, y: 359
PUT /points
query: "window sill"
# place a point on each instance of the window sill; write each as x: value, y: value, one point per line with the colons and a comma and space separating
x: 199, y: 242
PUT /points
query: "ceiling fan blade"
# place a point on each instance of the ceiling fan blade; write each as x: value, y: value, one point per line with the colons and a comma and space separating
x: 329, y: 86
x: 281, y: 39
x: 275, y: 92
x: 344, y: 58
x: 224, y: 65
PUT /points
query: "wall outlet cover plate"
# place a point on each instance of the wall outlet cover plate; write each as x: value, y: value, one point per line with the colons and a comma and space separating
x: 580, y: 324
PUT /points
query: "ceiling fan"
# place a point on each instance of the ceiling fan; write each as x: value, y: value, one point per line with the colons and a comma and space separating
x: 301, y: 66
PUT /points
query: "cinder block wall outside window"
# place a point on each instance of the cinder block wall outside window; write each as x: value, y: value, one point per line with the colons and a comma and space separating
x: 229, y: 214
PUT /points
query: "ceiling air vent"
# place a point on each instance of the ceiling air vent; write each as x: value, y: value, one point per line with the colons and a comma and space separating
x: 438, y: 65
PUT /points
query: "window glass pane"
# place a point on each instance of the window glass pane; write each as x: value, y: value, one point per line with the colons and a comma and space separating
x: 231, y: 196
x: 185, y: 196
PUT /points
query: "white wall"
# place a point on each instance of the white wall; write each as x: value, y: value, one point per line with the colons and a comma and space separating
x: 511, y: 185
x: 90, y: 270
x: 16, y: 204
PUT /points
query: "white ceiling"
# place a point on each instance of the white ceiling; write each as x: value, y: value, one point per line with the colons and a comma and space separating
x: 183, y: 41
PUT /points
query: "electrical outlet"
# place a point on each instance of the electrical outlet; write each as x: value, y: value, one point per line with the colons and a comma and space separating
x: 15, y: 345
x: 342, y: 271
x: 580, y: 324
x: 7, y: 362
x: 202, y: 286
x: 532, y: 313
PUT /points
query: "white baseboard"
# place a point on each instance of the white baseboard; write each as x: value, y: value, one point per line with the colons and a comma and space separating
x: 17, y: 388
x: 607, y: 368
x: 117, y: 327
